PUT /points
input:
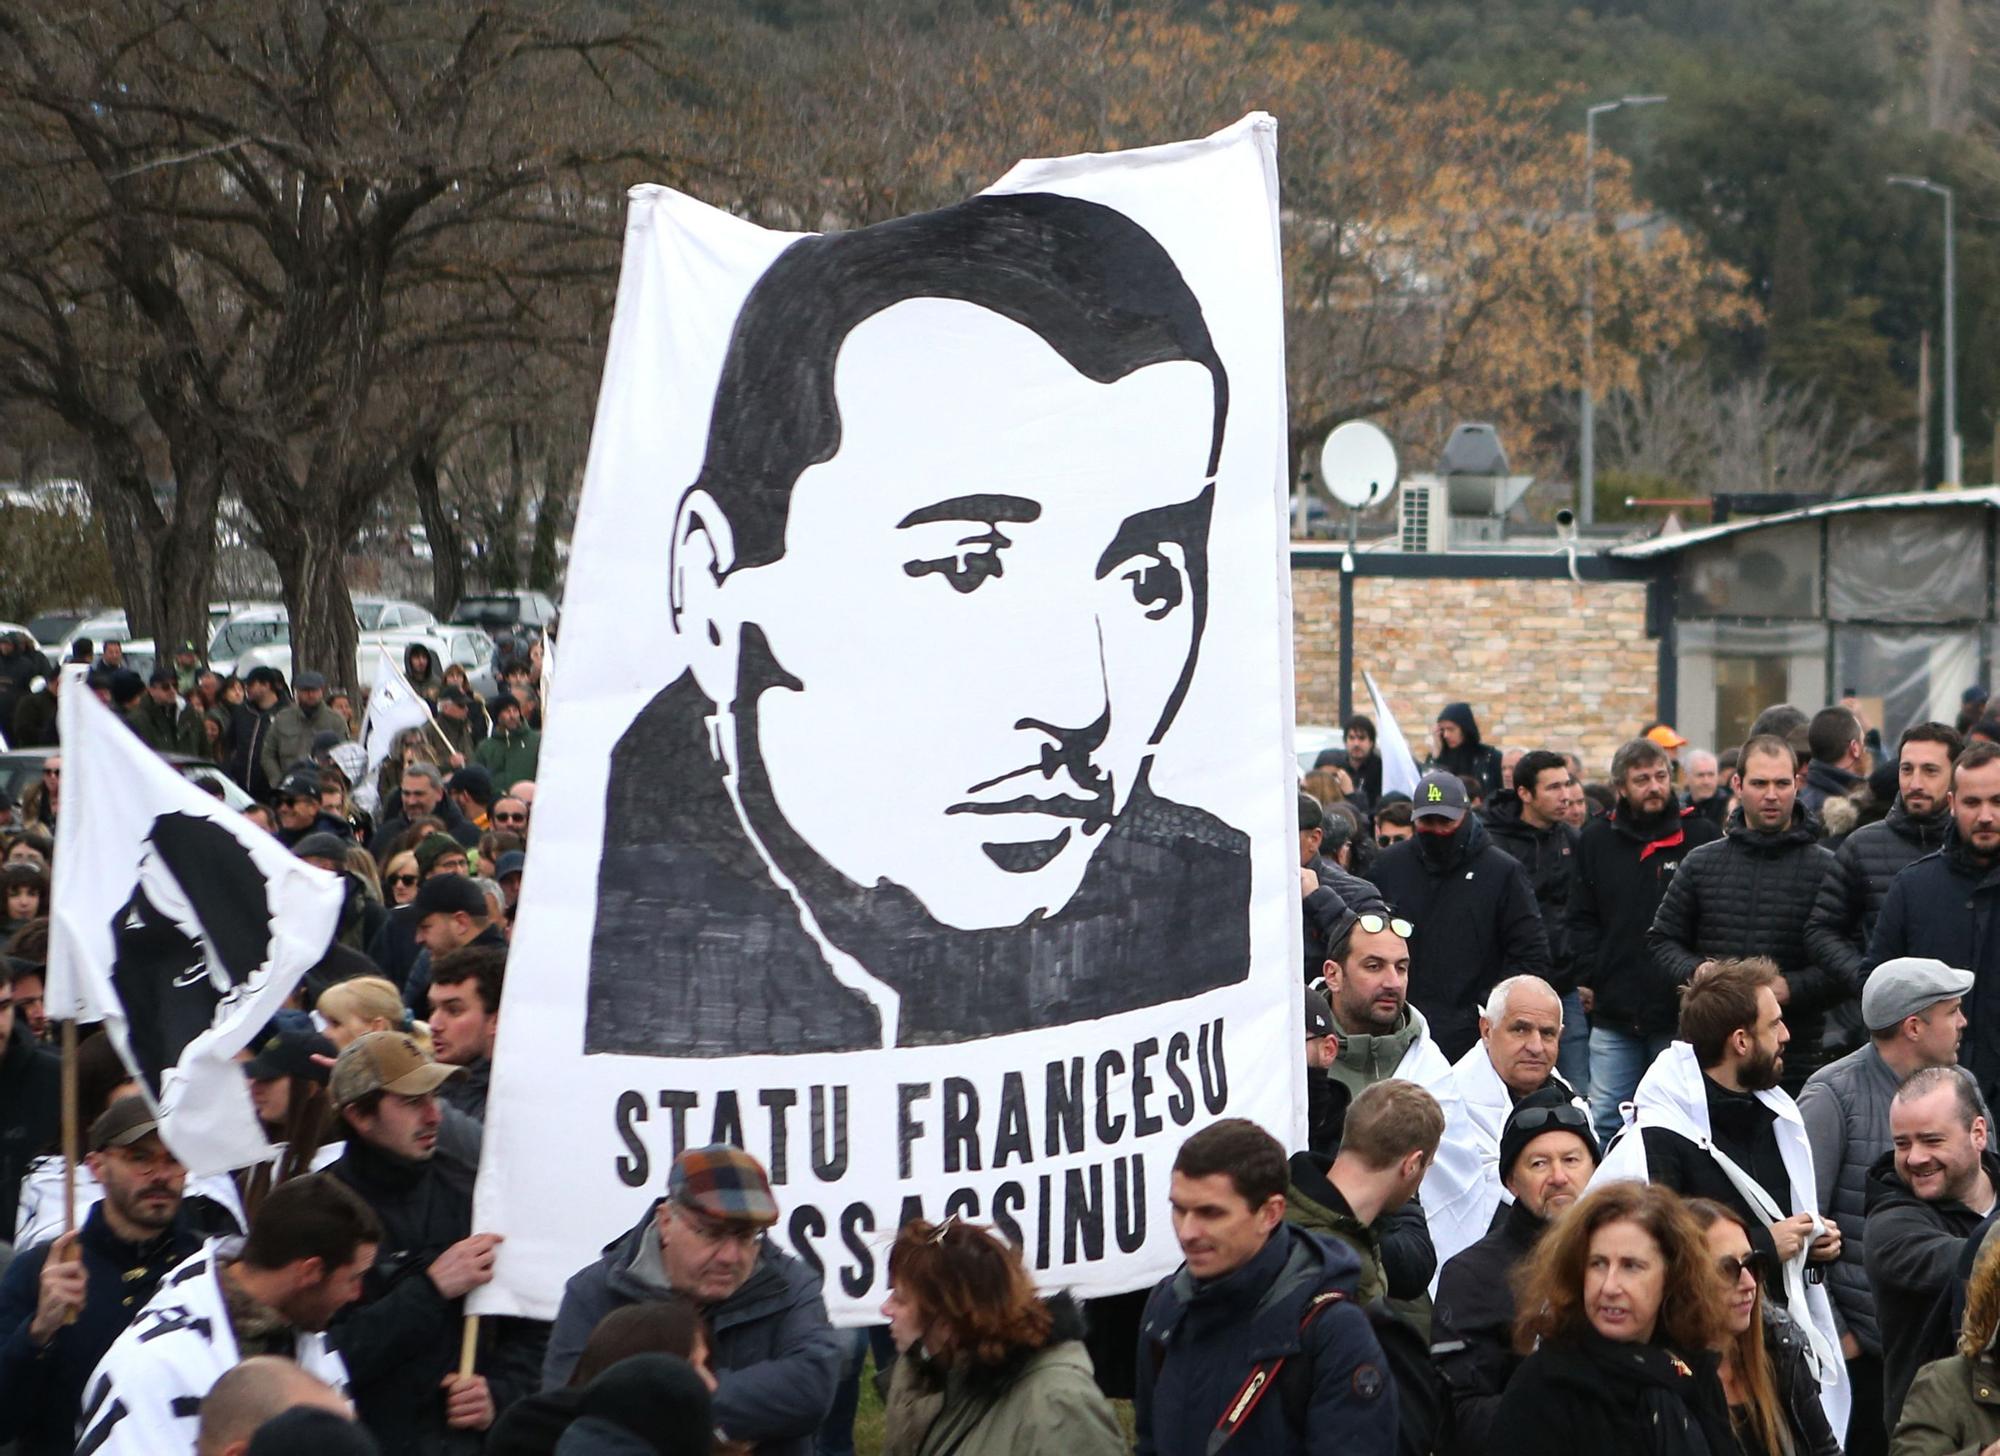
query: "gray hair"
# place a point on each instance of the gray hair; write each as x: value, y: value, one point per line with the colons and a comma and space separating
x: 1495, y: 1009
x: 1926, y: 1080
x: 496, y: 898
x: 425, y: 770
x: 1694, y: 761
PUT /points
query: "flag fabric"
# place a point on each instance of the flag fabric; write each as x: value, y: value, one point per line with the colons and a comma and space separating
x: 1399, y: 765
x: 181, y: 926
x: 393, y: 708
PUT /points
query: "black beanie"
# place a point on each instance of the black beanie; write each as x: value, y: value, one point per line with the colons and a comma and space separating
x: 310, y: 1430
x: 658, y: 1398
x: 1546, y: 1106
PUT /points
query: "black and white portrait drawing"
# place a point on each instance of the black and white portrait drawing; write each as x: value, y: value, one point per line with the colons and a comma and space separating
x: 938, y: 593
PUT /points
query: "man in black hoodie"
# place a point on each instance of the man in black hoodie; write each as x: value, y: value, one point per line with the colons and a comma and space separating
x: 1749, y: 894
x: 1474, y: 914
x: 1924, y: 1198
x: 1459, y: 750
x: 30, y: 1100
x: 1624, y: 863
x: 1942, y: 907
x: 1527, y: 821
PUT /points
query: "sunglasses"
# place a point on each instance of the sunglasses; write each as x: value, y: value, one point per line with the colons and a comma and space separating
x: 1387, y: 841
x: 1734, y: 1268
x: 1533, y: 1119
x: 402, y: 879
x: 1375, y: 924
x: 510, y: 818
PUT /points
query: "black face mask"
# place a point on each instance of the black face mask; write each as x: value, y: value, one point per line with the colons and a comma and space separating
x: 1437, y: 849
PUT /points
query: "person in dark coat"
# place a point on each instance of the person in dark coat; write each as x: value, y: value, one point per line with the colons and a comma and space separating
x: 645, y: 1405
x: 1459, y: 751
x: 1924, y: 1199
x: 1364, y: 759
x: 1838, y: 755
x: 30, y: 1101
x: 1240, y: 1300
x: 1946, y: 906
x: 400, y: 1340
x: 1624, y: 1360
x: 1547, y: 1154
x: 34, y: 722
x: 54, y: 1329
x: 1526, y: 821
x: 250, y: 728
x: 775, y: 1357
x: 1624, y: 863
x: 1843, y: 917
x: 1474, y: 913
x: 1749, y: 895
x: 1331, y: 895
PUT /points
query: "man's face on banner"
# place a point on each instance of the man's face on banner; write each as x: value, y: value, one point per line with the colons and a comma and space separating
x: 984, y: 602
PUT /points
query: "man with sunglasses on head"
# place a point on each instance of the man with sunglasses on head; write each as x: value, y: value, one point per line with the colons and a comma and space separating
x: 775, y: 1357
x: 1912, y: 1009
x: 1547, y: 1155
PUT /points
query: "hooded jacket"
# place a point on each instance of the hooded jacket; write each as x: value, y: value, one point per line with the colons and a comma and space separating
x: 1749, y: 895
x: 1397, y: 1261
x: 1845, y: 1105
x: 1686, y: 1125
x: 1912, y: 1257
x: 1622, y: 873
x: 1472, y: 1325
x: 1472, y: 758
x: 1200, y: 1339
x: 1947, y: 905
x: 776, y: 1358
x: 1849, y: 903
x: 1040, y: 1401
x: 429, y: 683
x: 1549, y: 857
x: 1584, y: 1393
x: 510, y: 757
x: 1475, y: 923
x: 1824, y: 781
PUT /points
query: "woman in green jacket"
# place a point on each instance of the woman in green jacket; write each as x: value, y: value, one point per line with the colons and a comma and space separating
x: 986, y: 1367
x: 1953, y: 1408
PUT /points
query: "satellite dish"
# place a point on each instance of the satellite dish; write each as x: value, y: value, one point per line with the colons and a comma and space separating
x: 1358, y: 465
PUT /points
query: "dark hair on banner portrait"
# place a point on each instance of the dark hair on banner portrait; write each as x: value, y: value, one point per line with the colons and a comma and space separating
x: 1036, y: 879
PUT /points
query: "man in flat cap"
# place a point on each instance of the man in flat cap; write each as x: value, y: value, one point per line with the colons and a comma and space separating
x: 775, y: 1357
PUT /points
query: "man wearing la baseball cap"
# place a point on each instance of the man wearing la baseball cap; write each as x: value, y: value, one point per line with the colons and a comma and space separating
x: 1474, y: 912
x: 775, y: 1357
x: 399, y: 1340
x: 1911, y: 1007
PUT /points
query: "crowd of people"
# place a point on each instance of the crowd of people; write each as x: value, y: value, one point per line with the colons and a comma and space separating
x: 1646, y: 1113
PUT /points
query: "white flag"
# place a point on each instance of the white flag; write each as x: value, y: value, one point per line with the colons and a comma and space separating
x: 181, y: 926
x: 393, y: 708
x: 1399, y: 765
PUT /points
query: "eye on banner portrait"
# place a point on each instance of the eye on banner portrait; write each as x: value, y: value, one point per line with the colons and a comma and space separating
x: 918, y: 809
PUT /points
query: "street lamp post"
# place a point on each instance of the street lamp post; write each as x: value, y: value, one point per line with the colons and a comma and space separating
x: 1586, y: 506
x: 1952, y: 462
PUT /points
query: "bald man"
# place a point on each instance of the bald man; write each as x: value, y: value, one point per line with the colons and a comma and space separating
x: 252, y: 1393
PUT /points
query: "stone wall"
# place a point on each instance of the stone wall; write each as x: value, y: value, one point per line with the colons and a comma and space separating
x: 1543, y: 663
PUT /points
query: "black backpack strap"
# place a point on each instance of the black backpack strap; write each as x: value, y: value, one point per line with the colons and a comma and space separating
x: 1257, y: 1384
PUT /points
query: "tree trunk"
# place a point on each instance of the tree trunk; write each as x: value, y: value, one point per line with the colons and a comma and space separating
x: 165, y: 563
x: 543, y: 567
x: 312, y: 567
x: 447, y: 564
x: 503, y: 552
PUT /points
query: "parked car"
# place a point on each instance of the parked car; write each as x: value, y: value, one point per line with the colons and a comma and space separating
x: 257, y: 626
x: 53, y: 626
x: 384, y: 614
x: 504, y: 613
x: 21, y: 770
x: 100, y: 628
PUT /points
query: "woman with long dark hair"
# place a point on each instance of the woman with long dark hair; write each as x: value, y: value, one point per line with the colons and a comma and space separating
x: 987, y: 1367
x: 1620, y: 1315
x: 1766, y: 1370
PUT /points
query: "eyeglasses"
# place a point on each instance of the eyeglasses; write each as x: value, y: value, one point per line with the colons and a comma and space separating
x: 1733, y: 1268
x: 1567, y: 1114
x: 715, y: 1231
x: 1376, y: 924
x: 402, y: 879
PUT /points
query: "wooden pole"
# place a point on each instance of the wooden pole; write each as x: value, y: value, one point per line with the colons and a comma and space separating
x: 71, y: 1134
x: 468, y: 1347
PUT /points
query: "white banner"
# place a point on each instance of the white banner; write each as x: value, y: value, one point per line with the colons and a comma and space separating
x: 919, y: 810
x: 180, y: 925
x: 1399, y: 766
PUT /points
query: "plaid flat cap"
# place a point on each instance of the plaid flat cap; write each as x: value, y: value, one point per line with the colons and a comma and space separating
x: 723, y: 1182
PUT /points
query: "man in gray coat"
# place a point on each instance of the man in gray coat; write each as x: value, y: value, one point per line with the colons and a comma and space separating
x: 294, y: 727
x: 1911, y: 1009
x: 775, y: 1357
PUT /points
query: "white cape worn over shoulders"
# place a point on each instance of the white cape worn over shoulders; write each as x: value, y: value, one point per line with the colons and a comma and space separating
x: 1672, y: 1096
x: 144, y: 1398
x: 1460, y: 1202
x: 1457, y: 1171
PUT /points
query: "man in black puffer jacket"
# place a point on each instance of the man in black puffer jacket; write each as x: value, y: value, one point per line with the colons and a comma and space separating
x: 1843, y: 918
x: 400, y: 1340
x: 1474, y: 913
x: 1749, y: 894
x: 1946, y: 906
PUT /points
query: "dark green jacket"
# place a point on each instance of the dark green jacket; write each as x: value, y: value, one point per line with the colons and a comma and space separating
x: 510, y: 757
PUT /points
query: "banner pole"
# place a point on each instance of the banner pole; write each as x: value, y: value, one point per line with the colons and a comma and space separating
x: 468, y: 1346
x: 70, y: 1137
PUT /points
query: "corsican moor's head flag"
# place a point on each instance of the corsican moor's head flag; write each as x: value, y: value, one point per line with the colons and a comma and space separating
x: 180, y: 925
x: 916, y: 812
